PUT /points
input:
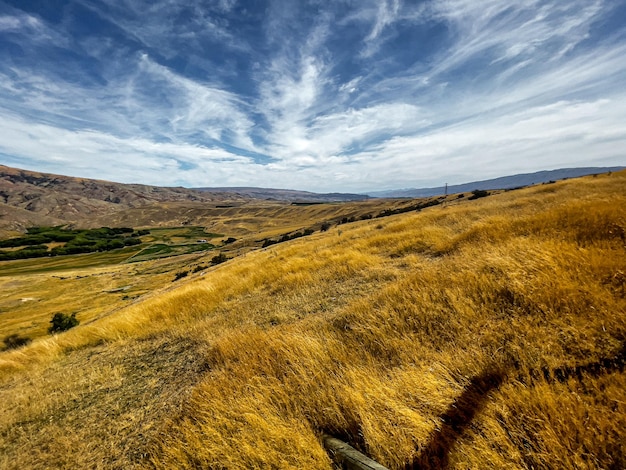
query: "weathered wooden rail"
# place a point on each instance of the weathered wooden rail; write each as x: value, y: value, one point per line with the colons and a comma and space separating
x: 347, y: 457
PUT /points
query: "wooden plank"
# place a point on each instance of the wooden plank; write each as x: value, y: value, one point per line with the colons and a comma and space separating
x: 347, y: 457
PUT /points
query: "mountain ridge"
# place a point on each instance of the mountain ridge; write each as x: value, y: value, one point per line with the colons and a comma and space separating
x: 291, y: 195
x: 502, y: 182
x: 31, y: 198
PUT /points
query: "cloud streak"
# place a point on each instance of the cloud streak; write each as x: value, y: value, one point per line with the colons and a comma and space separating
x: 310, y: 95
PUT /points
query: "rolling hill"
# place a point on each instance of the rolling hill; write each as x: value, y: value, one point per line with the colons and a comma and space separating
x: 488, y: 333
x: 30, y: 198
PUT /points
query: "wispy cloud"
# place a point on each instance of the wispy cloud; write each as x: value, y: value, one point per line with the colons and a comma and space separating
x: 386, y: 15
x: 31, y: 27
x: 531, y: 29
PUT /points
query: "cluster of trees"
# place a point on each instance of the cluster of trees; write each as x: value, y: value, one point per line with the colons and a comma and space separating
x: 217, y: 259
x: 74, y: 241
x: 286, y: 237
x: 478, y: 193
x: 416, y: 207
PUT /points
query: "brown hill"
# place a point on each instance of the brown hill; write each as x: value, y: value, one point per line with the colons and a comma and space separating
x: 32, y: 198
x: 39, y: 199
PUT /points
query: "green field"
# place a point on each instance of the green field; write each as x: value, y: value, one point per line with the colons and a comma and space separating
x: 160, y: 243
x: 67, y: 262
x: 180, y: 235
x: 160, y: 250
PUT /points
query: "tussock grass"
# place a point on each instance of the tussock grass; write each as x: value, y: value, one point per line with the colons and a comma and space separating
x: 487, y: 333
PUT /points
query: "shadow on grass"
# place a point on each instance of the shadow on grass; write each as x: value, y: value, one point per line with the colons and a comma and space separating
x: 455, y: 420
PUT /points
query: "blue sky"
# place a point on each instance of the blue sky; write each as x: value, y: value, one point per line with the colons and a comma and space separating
x: 343, y: 95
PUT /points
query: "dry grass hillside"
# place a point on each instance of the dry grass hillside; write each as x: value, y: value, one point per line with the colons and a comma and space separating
x: 255, y: 219
x: 485, y: 334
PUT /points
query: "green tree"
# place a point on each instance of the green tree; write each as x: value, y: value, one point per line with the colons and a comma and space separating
x: 62, y: 322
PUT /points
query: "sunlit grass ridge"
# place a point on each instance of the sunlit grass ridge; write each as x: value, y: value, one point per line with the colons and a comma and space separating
x: 479, y: 335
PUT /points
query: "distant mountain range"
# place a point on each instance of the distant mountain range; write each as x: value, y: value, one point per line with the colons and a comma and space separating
x: 287, y: 195
x: 505, y: 182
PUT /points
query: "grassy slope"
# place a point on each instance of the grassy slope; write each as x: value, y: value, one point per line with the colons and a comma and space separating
x: 256, y: 219
x: 438, y: 338
x: 92, y: 285
x: 32, y: 290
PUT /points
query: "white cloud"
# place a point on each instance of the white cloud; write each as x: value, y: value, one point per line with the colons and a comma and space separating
x: 126, y: 159
x: 155, y: 23
x: 288, y: 100
x: 335, y: 133
x: 195, y: 107
x: 10, y: 23
x: 552, y: 136
x: 32, y: 28
x: 387, y: 14
x: 505, y: 31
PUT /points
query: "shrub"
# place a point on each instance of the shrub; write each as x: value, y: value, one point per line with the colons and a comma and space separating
x: 325, y: 226
x: 268, y: 242
x: 478, y: 193
x: 180, y: 275
x: 15, y: 341
x: 116, y: 243
x: 80, y: 241
x: 229, y: 240
x: 221, y: 258
x: 62, y: 322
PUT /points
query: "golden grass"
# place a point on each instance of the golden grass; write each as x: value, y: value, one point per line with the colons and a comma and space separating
x: 487, y: 334
x: 28, y: 301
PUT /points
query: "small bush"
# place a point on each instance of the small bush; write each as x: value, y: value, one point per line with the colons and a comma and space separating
x: 62, y: 322
x: 478, y: 193
x: 221, y: 258
x: 15, y: 341
x: 230, y: 240
x: 325, y: 226
x: 268, y: 242
x: 180, y: 275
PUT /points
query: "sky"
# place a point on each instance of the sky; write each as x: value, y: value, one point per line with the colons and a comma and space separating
x: 318, y: 95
